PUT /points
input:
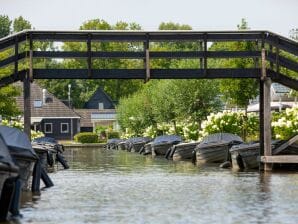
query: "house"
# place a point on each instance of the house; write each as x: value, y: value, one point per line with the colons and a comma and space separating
x: 280, y: 99
x: 49, y: 114
x: 99, y: 110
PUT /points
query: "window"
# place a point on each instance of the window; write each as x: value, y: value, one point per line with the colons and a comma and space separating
x: 103, y: 116
x: 64, y: 128
x: 37, y: 103
x: 49, y: 100
x: 100, y: 106
x: 48, y: 128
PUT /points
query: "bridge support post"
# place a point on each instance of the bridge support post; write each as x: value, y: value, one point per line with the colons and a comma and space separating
x: 265, y: 115
x: 27, y: 106
x: 27, y: 92
x: 147, y: 59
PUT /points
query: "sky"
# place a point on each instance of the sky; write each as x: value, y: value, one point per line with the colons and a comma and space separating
x: 279, y: 16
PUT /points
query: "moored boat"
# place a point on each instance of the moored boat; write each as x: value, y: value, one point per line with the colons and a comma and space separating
x: 122, y: 145
x: 215, y: 147
x: 48, y: 151
x: 21, y: 151
x: 136, y: 144
x: 112, y: 143
x: 147, y: 149
x: 8, y: 173
x: 182, y: 151
x: 161, y: 144
x: 245, y: 156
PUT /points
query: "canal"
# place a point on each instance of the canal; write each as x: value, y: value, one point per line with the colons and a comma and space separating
x: 121, y: 187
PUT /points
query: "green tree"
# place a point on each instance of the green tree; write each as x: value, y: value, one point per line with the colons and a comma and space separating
x: 5, y: 24
x: 136, y: 112
x: 8, y: 106
x: 83, y: 89
x: 20, y: 24
x: 236, y: 92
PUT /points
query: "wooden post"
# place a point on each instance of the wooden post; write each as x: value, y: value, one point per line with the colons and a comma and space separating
x: 147, y: 60
x: 205, y: 54
x: 27, y: 92
x: 89, y: 59
x: 16, y: 58
x: 201, y: 49
x: 265, y: 114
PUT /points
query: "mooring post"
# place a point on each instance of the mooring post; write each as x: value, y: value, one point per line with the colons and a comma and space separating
x: 265, y: 114
x: 27, y: 92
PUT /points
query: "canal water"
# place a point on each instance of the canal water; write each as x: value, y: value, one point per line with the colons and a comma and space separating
x: 121, y: 187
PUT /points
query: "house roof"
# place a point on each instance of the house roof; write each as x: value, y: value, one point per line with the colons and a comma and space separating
x: 99, y: 95
x: 85, y: 115
x: 53, y: 108
x: 280, y: 89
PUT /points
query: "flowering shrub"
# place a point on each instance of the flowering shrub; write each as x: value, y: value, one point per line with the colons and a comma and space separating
x: 187, y: 130
x: 285, y: 123
x: 230, y: 122
x: 20, y: 125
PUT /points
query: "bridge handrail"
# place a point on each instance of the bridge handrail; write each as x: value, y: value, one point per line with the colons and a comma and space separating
x: 265, y: 38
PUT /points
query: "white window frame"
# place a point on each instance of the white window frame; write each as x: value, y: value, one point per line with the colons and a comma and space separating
x: 45, y: 129
x: 37, y: 103
x: 67, y: 131
x: 101, y: 106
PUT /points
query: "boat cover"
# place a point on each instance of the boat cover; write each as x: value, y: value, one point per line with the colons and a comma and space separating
x: 167, y: 139
x: 45, y: 140
x: 18, y: 142
x: 221, y: 137
x: 114, y: 141
x: 139, y: 139
x: 5, y: 155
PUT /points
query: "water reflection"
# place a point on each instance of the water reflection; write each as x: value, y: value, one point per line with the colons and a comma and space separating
x: 120, y: 187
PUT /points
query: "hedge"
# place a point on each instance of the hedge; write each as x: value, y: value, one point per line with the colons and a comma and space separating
x: 113, y: 134
x: 86, y: 137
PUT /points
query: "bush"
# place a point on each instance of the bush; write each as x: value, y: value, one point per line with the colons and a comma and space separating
x: 231, y: 122
x: 113, y: 134
x: 86, y: 137
x: 285, y: 123
x: 19, y: 125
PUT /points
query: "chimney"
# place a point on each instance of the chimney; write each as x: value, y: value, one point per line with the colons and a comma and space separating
x: 44, y: 92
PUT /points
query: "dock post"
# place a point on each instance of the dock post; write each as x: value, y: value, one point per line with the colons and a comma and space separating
x: 27, y: 92
x: 265, y: 115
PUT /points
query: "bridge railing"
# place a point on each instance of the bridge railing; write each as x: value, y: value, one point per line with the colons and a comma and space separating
x: 18, y: 55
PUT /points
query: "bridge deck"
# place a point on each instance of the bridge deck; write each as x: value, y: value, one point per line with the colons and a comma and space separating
x: 273, y: 56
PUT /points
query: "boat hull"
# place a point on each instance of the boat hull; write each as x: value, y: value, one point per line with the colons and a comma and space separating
x: 245, y: 157
x: 160, y: 149
x: 122, y: 146
x: 136, y: 147
x: 25, y: 171
x: 183, y: 151
x: 147, y: 149
x: 213, y: 153
x: 5, y: 173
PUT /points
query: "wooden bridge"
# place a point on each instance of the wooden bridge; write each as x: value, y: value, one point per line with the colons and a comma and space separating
x: 268, y: 54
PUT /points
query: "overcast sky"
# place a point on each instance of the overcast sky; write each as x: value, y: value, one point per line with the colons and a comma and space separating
x: 278, y: 16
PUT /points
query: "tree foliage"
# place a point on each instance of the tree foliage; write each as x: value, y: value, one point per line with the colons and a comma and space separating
x: 168, y: 101
x: 5, y: 24
x: 8, y: 106
x: 82, y: 90
x: 236, y: 92
x: 20, y: 24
